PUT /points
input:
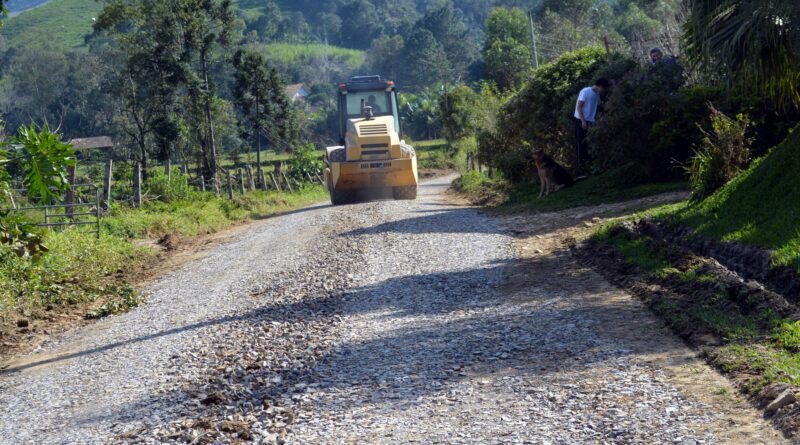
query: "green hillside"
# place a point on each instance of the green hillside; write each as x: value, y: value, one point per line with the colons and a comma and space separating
x: 290, y: 53
x: 63, y: 23
x: 760, y: 207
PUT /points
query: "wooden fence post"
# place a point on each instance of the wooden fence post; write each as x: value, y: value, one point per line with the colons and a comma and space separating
x: 216, y: 184
x: 262, y: 179
x: 202, y: 184
x: 286, y: 181
x: 137, y: 185
x: 70, y: 195
x: 241, y: 181
x: 168, y: 169
x: 251, y: 183
x: 274, y: 182
x: 230, y: 185
x: 107, y: 183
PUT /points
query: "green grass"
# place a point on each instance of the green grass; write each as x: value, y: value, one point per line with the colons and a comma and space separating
x: 753, y: 342
x: 639, y: 253
x: 600, y: 189
x: 759, y: 207
x: 298, y: 53
x: 82, y: 269
x: 60, y: 23
x: 74, y: 271
x: 204, y: 213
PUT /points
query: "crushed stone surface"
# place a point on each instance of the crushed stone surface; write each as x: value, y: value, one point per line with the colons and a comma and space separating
x: 387, y: 322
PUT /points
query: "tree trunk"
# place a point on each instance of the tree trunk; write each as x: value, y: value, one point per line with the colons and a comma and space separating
x: 258, y: 140
x: 212, y: 142
x: 143, y: 148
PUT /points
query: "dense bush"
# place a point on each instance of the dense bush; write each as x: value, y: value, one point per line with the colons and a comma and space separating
x: 540, y: 114
x: 725, y: 151
x: 640, y: 98
x: 672, y: 138
x: 169, y: 188
x: 458, y: 113
x: 306, y: 160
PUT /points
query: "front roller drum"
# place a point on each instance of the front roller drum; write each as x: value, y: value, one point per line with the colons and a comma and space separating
x: 408, y: 192
x: 340, y: 197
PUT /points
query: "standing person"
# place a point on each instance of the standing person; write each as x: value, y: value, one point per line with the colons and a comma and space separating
x: 656, y: 55
x: 585, y: 113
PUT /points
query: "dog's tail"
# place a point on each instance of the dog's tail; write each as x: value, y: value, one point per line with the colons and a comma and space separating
x: 580, y: 178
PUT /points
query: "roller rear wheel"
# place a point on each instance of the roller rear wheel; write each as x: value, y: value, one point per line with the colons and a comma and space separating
x: 408, y: 192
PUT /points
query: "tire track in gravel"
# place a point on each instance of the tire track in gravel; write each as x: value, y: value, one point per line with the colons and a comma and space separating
x: 379, y: 323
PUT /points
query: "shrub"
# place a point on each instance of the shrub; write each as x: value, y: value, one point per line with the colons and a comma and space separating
x: 169, y: 188
x: 305, y: 160
x: 541, y: 113
x: 672, y: 138
x: 458, y: 113
x: 725, y: 151
x: 640, y: 99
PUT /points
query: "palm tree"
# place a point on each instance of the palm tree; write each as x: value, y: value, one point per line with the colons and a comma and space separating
x: 755, y: 42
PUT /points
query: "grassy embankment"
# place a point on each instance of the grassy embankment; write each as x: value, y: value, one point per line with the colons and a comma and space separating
x: 80, y: 269
x: 758, y: 343
x: 600, y: 189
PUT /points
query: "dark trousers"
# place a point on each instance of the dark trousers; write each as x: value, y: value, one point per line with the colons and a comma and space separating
x: 581, y: 147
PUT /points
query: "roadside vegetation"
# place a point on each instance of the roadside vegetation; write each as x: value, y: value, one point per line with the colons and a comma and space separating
x: 723, y: 268
x: 80, y: 270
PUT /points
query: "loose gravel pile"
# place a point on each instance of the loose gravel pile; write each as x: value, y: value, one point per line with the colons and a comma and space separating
x: 379, y: 323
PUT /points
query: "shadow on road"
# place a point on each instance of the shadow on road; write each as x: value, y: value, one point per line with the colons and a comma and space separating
x: 472, y: 330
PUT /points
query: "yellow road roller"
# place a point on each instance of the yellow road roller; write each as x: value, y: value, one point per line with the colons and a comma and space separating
x: 371, y: 160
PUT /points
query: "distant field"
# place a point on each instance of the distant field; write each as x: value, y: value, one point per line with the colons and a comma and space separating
x: 291, y: 53
x: 62, y: 23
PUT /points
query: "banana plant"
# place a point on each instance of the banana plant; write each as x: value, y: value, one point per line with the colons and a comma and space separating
x: 42, y: 156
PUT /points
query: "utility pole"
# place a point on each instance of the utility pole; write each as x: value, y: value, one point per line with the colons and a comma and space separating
x: 533, y: 40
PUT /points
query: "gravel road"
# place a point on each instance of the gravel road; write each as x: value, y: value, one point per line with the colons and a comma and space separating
x: 378, y: 323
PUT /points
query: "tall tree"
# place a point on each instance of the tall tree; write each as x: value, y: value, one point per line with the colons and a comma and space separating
x: 506, y: 53
x: 425, y: 60
x: 459, y: 46
x: 146, y: 32
x: 206, y: 26
x: 260, y: 99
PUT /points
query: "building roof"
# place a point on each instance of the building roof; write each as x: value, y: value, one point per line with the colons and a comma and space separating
x: 296, y: 90
x: 95, y: 142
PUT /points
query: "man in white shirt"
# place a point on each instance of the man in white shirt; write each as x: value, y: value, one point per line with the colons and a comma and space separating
x: 585, y: 113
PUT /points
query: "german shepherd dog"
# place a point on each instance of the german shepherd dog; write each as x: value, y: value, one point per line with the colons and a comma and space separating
x: 552, y: 176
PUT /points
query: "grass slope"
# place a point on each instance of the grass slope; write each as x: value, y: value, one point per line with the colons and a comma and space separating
x: 61, y: 23
x: 760, y: 207
x: 600, y: 189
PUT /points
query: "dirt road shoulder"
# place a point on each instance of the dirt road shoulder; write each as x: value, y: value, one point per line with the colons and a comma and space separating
x: 542, y: 247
